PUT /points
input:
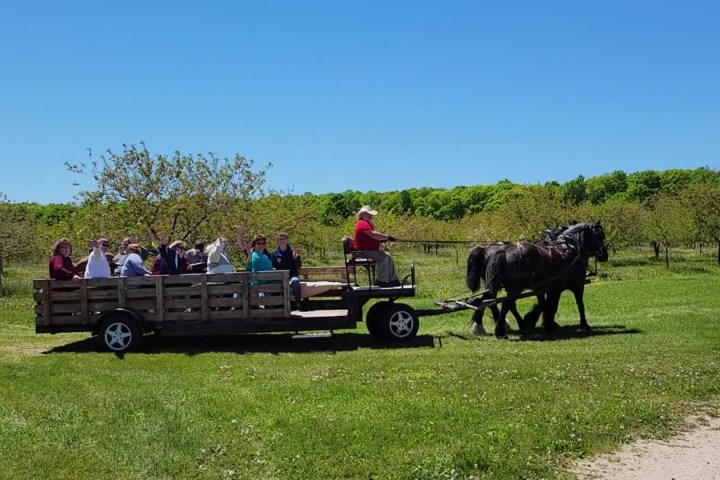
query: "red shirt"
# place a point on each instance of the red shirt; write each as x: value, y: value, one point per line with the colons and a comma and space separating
x: 363, y: 241
x: 61, y: 268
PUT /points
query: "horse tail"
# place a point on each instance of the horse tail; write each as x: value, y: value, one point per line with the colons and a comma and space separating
x: 494, y: 272
x: 475, y: 267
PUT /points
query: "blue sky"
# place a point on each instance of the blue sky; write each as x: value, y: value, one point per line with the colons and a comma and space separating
x: 362, y: 95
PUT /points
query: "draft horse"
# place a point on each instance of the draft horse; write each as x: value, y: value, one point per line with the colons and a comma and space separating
x: 547, y: 270
x: 476, y: 268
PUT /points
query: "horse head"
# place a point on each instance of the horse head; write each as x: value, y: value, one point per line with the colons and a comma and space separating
x: 590, y: 239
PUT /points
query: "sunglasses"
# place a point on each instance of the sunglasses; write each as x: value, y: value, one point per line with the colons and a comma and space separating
x: 104, y: 244
x: 259, y: 243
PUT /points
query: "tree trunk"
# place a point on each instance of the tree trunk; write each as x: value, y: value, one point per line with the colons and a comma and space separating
x: 656, y: 248
x: 667, y: 257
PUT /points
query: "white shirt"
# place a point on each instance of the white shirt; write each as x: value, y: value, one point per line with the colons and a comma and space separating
x: 97, y: 266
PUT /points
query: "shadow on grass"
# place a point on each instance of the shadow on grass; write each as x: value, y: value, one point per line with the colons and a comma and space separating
x: 268, y: 343
x: 569, y: 332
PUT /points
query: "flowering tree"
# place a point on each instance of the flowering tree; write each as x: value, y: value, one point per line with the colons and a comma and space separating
x: 179, y: 194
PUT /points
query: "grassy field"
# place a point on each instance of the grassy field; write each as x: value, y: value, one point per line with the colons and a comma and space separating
x: 448, y: 405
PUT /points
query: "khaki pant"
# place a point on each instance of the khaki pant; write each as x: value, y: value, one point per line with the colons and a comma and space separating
x: 385, y: 266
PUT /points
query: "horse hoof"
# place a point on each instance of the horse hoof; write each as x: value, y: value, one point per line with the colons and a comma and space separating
x: 552, y: 327
x: 501, y: 337
x: 477, y: 328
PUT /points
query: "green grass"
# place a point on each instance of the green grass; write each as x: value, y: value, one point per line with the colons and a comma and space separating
x: 449, y: 405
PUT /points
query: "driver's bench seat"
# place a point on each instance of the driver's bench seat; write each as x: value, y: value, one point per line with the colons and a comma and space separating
x: 355, y: 258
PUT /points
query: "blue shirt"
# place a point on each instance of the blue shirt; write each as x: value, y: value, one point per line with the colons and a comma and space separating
x: 133, y: 266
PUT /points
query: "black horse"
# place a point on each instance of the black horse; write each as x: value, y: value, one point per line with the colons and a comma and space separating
x: 574, y: 280
x: 544, y: 269
x: 476, y: 268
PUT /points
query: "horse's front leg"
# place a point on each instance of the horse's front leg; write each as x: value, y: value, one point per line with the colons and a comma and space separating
x: 581, y: 308
x: 533, y: 315
x: 551, y: 305
x: 518, y: 317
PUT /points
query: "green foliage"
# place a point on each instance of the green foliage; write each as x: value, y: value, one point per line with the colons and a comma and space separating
x: 177, y: 194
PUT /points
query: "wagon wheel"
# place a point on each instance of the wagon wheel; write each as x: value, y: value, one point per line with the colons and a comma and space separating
x: 119, y: 333
x: 400, y: 322
x: 374, y: 318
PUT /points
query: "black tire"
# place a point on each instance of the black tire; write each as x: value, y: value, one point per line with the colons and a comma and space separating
x: 119, y: 333
x: 374, y: 319
x: 400, y: 322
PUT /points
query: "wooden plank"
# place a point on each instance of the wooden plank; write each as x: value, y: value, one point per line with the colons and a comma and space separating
x: 225, y: 302
x: 180, y: 291
x: 46, y: 301
x: 84, y: 300
x: 204, y: 297
x: 104, y: 294
x: 246, y: 300
x: 121, y: 291
x: 286, y: 298
x: 63, y: 296
x: 226, y: 289
x: 159, y: 300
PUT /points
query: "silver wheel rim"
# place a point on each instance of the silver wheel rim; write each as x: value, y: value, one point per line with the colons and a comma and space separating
x: 401, y: 323
x: 118, y: 336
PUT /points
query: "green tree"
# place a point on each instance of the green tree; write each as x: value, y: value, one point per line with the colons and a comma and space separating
x: 17, y: 237
x: 668, y: 224
x: 177, y: 194
x: 703, y: 203
x: 602, y: 187
x: 643, y: 185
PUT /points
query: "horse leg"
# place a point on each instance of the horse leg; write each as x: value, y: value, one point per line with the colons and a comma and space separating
x: 551, y: 307
x: 533, y: 315
x: 581, y: 307
x: 518, y: 318
x: 500, y: 325
x: 476, y: 325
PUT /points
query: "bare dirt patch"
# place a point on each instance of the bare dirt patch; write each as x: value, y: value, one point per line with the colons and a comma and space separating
x: 693, y: 455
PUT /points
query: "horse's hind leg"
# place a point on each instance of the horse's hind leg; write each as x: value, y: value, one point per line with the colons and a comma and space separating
x: 476, y: 325
x: 500, y: 325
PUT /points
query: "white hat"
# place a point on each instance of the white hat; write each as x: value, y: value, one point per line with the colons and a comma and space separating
x: 366, y: 209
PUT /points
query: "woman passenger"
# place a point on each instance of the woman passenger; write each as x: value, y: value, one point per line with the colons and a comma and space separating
x: 60, y: 265
x: 133, y: 265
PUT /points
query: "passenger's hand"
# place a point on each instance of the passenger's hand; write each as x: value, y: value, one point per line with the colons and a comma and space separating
x: 92, y: 244
x: 296, y: 253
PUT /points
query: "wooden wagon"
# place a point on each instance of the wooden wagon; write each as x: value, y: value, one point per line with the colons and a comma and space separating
x: 120, y: 310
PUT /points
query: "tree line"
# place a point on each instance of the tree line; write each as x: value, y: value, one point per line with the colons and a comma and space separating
x: 200, y: 197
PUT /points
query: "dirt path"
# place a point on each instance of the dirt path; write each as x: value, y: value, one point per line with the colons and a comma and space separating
x: 694, y: 455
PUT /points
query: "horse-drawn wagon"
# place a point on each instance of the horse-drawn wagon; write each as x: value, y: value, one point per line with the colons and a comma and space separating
x: 120, y: 310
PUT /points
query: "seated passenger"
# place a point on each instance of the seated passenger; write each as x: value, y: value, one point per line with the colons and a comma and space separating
x: 286, y: 258
x: 197, y: 254
x: 120, y: 257
x: 159, y: 266
x: 133, y: 265
x: 368, y: 240
x: 217, y: 259
x: 174, y: 256
x: 61, y: 266
x: 97, y: 264
x: 258, y: 259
